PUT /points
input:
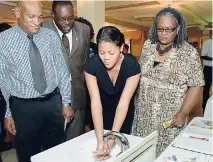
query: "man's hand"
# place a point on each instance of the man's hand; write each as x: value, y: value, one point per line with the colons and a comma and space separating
x: 9, y: 125
x: 68, y: 113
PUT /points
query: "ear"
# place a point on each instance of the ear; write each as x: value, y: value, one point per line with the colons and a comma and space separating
x: 17, y: 12
x: 121, y: 48
x: 52, y: 15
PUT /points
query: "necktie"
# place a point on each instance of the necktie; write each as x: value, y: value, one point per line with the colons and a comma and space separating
x: 66, y: 43
x: 37, y: 68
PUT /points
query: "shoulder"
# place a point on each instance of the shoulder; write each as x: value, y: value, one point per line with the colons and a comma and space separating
x: 147, y: 47
x: 9, y: 36
x: 130, y: 61
x: 208, y: 42
x: 82, y: 27
x: 188, y: 52
x: 47, y: 32
x: 92, y: 65
x: 131, y: 66
x: 8, y: 33
x: 188, y: 49
x: 47, y: 23
x: 148, y: 44
x: 93, y: 61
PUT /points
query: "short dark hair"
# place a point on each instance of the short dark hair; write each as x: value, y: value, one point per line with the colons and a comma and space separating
x: 110, y: 34
x: 85, y: 21
x: 4, y: 26
x: 61, y: 3
x: 126, y: 46
x: 181, y: 36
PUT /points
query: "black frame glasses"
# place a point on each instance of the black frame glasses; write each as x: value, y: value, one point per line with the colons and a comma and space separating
x: 62, y: 19
x: 167, y: 30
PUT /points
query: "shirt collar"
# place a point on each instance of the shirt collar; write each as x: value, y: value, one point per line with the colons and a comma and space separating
x: 59, y: 31
x: 20, y: 31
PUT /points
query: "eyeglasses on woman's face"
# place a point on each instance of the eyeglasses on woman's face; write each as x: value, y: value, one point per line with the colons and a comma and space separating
x: 167, y: 30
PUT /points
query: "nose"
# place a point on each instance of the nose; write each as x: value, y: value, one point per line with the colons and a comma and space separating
x: 164, y: 32
x: 106, y: 57
x: 66, y: 22
x: 37, y: 21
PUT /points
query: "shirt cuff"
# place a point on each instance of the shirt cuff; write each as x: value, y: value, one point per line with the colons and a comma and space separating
x: 66, y: 100
x: 8, y: 113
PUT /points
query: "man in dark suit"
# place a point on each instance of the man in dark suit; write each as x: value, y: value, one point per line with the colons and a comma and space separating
x: 75, y: 39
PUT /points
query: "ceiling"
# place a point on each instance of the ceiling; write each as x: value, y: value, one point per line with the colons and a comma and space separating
x: 132, y: 15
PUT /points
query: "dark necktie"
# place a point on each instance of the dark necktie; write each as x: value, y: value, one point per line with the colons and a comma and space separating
x: 66, y: 43
x: 37, y: 68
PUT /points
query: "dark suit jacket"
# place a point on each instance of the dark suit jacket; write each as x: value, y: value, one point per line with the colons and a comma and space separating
x: 76, y: 60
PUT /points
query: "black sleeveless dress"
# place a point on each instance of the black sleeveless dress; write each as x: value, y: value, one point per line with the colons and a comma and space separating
x: 110, y: 94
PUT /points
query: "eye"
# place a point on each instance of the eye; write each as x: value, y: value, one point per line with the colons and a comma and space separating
x: 31, y: 16
x: 111, y: 53
x: 169, y: 30
x: 101, y: 53
x: 160, y: 29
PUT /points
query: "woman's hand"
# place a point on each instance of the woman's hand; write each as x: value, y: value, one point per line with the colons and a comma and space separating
x: 179, y: 119
x: 101, y: 152
x: 109, y: 145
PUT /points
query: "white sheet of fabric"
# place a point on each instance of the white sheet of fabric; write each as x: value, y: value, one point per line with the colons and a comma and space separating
x: 208, y: 109
x: 81, y: 149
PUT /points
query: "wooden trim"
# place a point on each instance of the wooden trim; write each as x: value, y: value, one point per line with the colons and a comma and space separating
x: 137, y: 4
x: 124, y: 23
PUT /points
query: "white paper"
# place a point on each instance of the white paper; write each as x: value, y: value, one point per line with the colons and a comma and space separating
x: 65, y: 124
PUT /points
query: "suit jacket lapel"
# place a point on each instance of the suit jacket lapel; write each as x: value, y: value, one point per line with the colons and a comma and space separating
x: 74, y: 39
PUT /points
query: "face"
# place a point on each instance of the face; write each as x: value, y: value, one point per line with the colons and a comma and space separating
x: 29, y: 15
x: 64, y: 18
x: 109, y: 53
x: 166, y: 30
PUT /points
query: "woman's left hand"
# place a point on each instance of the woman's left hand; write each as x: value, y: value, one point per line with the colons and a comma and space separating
x: 110, y: 144
x: 179, y: 119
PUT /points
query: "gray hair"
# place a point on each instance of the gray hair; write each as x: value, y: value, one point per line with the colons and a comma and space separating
x: 181, y: 36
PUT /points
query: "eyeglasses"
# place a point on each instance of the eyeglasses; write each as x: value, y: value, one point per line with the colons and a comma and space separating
x: 63, y: 19
x: 167, y: 30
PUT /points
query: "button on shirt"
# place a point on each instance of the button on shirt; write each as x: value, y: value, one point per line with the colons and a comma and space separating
x: 207, y: 51
x: 15, y: 71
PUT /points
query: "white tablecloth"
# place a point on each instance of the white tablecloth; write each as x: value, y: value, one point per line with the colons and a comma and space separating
x: 190, y: 149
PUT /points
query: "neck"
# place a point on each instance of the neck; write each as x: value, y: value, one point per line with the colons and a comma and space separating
x: 163, y: 46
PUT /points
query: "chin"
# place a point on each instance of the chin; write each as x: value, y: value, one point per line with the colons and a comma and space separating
x: 35, y: 30
x: 108, y: 66
x: 66, y: 31
x: 164, y: 42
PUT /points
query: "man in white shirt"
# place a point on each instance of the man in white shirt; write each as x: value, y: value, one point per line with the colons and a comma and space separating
x: 206, y: 56
x: 75, y: 40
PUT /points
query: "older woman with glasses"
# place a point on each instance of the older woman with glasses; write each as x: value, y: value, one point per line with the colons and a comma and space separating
x: 171, y: 82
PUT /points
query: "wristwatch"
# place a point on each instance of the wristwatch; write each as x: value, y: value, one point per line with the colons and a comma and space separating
x: 66, y: 104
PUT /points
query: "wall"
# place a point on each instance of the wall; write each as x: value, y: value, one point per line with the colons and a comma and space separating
x: 137, y: 40
x: 195, y: 34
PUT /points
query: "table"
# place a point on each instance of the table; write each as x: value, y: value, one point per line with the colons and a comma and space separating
x: 80, y: 150
x: 191, y: 143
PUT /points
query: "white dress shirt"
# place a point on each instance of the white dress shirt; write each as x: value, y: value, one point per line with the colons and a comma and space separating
x: 207, y: 51
x: 69, y: 35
